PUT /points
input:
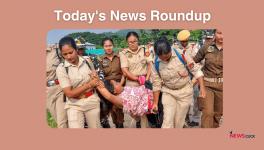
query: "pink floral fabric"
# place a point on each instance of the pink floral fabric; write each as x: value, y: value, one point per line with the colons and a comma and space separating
x: 137, y: 101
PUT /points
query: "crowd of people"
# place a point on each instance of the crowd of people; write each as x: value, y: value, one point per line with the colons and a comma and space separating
x: 158, y: 85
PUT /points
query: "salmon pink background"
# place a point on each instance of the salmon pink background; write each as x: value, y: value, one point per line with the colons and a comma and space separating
x: 24, y: 27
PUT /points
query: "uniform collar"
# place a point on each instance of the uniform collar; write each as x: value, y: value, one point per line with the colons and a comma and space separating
x: 134, y: 52
x: 214, y: 45
x: 81, y: 61
x: 114, y: 55
x: 187, y: 47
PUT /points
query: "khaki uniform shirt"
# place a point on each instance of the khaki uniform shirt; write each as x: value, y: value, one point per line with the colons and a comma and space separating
x: 213, y: 66
x: 169, y: 73
x: 112, y: 68
x: 136, y: 62
x: 77, y: 76
x: 189, y: 50
x: 52, y: 62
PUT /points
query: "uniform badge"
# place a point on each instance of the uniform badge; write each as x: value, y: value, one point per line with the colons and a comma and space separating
x: 105, y: 62
x: 129, y: 55
x: 191, y: 65
x: 210, y: 49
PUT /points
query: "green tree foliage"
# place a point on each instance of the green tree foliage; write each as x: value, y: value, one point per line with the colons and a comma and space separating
x: 196, y: 35
x: 145, y: 36
x: 51, y: 122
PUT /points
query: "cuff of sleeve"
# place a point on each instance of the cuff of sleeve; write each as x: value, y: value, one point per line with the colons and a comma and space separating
x: 156, y: 89
x: 124, y: 66
x: 198, y: 74
x: 64, y: 85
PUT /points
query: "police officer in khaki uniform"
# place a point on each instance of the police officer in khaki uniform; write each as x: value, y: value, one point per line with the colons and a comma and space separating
x: 135, y: 63
x: 76, y: 78
x: 169, y: 76
x: 104, y: 105
x: 190, y: 49
x: 55, y: 104
x: 150, y: 50
x: 212, y: 105
x: 111, y: 66
x: 185, y: 46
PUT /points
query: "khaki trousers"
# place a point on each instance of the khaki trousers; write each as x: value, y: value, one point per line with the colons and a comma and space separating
x: 176, y: 104
x: 130, y: 122
x: 55, y: 106
x: 212, y: 105
x: 144, y: 121
x: 76, y: 118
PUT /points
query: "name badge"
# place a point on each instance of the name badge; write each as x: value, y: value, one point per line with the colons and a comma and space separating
x: 105, y: 62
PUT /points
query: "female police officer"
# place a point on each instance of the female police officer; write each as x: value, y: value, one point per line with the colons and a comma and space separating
x: 110, y: 63
x: 75, y: 78
x: 136, y: 65
x: 212, y: 105
x: 168, y: 76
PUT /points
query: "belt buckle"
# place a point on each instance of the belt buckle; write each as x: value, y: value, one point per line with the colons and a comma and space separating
x: 51, y: 83
x: 216, y: 80
x: 219, y: 80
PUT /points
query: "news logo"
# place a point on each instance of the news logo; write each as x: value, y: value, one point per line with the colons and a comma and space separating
x: 240, y: 135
